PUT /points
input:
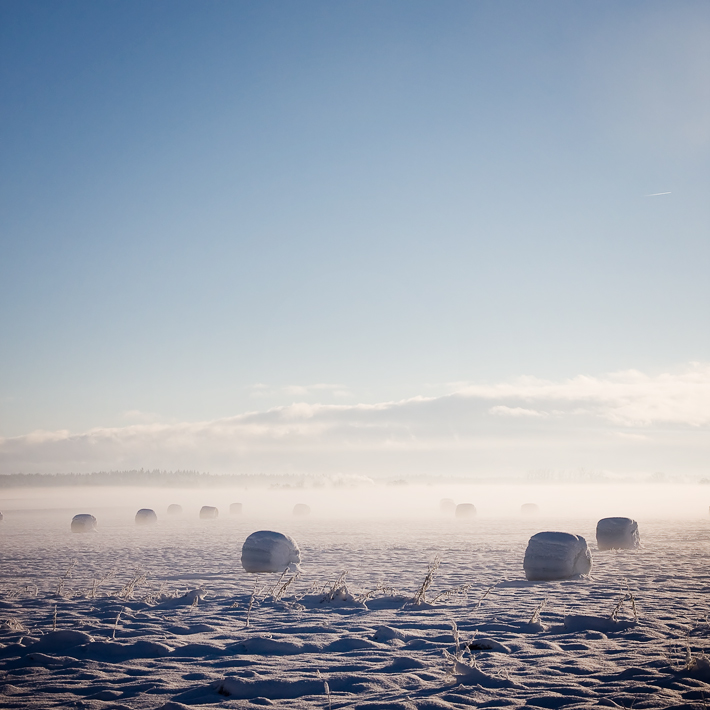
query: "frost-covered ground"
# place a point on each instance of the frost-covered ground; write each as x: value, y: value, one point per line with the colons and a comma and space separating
x: 133, y: 617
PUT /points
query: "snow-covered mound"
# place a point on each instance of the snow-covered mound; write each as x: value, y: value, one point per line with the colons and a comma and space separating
x: 556, y: 555
x: 235, y: 509
x: 447, y: 505
x: 268, y: 551
x: 529, y: 508
x: 174, y: 509
x: 208, y: 512
x: 83, y: 523
x: 301, y: 510
x: 465, y: 510
x: 146, y: 516
x: 617, y: 534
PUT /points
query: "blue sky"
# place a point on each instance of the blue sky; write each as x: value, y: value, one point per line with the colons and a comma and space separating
x: 213, y: 208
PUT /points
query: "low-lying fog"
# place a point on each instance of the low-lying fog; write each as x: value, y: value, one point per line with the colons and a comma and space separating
x: 382, y: 501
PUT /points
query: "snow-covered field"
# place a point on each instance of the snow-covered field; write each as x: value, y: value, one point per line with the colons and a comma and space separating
x: 156, y: 616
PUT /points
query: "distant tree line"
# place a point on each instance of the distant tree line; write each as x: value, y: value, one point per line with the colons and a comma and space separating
x: 142, y: 477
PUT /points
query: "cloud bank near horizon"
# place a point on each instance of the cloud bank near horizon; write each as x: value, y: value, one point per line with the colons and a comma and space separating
x: 623, y: 423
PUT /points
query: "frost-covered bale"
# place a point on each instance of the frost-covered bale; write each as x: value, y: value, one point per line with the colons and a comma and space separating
x: 301, y: 510
x: 146, y: 516
x: 83, y: 523
x: 617, y: 534
x: 268, y: 551
x: 465, y: 510
x: 174, y: 509
x: 529, y: 508
x: 556, y: 555
x: 208, y: 512
x: 1, y: 517
x: 235, y: 509
x: 447, y: 505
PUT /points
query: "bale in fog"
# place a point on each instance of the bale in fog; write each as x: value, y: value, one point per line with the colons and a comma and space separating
x: 146, y: 516
x: 268, y: 551
x: 174, y: 509
x: 556, y: 555
x: 617, y: 534
x: 465, y: 510
x: 208, y: 512
x: 235, y: 509
x: 529, y: 508
x: 1, y: 517
x: 447, y: 505
x: 83, y: 523
x: 301, y: 510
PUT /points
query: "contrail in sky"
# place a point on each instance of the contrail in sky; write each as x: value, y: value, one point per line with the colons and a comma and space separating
x: 656, y: 194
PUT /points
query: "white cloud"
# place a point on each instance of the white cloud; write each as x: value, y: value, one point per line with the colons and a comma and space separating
x: 304, y: 391
x: 626, y: 420
x: 502, y: 410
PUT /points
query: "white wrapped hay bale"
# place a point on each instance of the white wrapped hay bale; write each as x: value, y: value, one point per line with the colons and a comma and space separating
x: 301, y: 510
x: 556, y: 555
x: 529, y: 508
x: 268, y: 551
x: 146, y: 516
x: 447, y: 506
x: 465, y: 510
x: 2, y: 517
x: 208, y: 512
x: 174, y: 509
x: 83, y: 523
x: 235, y: 509
x: 618, y: 534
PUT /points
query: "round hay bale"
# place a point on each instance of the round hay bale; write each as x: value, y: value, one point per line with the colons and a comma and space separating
x: 146, y: 516
x: 269, y: 551
x: 465, y: 510
x: 529, y: 508
x: 618, y: 534
x: 83, y: 523
x: 556, y: 555
x: 301, y: 510
x: 174, y: 509
x: 447, y: 505
x: 208, y: 512
x: 2, y: 517
x: 235, y: 509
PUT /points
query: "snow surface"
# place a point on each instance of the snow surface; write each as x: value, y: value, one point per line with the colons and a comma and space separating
x: 156, y: 617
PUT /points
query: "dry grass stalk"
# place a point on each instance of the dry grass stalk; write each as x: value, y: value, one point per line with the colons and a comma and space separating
x: 66, y: 575
x: 535, y: 618
x: 130, y: 587
x: 276, y: 594
x: 115, y: 624
x: 326, y: 687
x: 336, y: 587
x: 626, y: 596
x: 420, y: 595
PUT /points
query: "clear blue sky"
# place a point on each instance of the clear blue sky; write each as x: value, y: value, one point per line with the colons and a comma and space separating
x: 199, y: 197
